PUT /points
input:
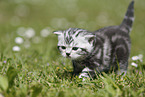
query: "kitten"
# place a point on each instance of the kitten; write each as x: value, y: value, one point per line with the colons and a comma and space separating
x: 101, y: 51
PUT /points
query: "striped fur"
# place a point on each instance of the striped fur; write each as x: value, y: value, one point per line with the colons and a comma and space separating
x: 126, y: 24
x: 100, y: 51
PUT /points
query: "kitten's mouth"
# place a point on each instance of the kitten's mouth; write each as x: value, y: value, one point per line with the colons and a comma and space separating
x: 68, y: 57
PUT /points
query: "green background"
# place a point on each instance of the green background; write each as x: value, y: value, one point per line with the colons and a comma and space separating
x: 40, y: 70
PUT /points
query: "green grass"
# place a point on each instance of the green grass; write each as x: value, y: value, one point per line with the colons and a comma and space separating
x: 40, y: 71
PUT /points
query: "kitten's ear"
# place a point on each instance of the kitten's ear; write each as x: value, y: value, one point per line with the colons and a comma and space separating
x: 58, y: 32
x: 90, y: 38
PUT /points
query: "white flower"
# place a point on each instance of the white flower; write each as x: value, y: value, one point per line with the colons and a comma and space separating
x: 16, y: 48
x: 19, y: 40
x: 135, y: 58
x: 139, y: 57
x: 134, y: 64
x: 45, y: 32
x: 29, y: 33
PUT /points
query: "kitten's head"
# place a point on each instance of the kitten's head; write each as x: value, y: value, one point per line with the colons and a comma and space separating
x: 75, y: 43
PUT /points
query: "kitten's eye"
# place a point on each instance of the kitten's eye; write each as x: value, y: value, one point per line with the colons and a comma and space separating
x: 63, y: 47
x: 75, y: 48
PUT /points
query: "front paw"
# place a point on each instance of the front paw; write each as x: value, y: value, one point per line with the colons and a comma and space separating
x: 85, y: 72
x: 82, y: 75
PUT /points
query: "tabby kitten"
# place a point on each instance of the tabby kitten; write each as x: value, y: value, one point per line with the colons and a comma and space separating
x: 100, y: 51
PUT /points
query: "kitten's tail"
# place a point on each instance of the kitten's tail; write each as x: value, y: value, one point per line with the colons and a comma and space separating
x: 127, y: 22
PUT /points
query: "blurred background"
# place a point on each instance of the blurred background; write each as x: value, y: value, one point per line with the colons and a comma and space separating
x: 26, y: 26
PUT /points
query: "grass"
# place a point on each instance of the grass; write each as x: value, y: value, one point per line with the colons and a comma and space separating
x: 38, y: 70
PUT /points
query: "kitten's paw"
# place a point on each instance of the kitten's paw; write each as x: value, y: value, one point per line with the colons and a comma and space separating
x: 83, y: 75
x: 86, y: 73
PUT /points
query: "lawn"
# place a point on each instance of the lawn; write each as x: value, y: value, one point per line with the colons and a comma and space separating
x: 30, y: 64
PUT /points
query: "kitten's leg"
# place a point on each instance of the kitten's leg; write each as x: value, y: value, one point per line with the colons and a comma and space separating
x: 122, y: 68
x: 77, y: 68
x: 122, y: 55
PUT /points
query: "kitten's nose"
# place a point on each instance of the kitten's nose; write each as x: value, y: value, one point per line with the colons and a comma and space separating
x: 67, y: 54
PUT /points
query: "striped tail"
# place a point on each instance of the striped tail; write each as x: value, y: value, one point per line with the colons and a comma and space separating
x: 128, y: 20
